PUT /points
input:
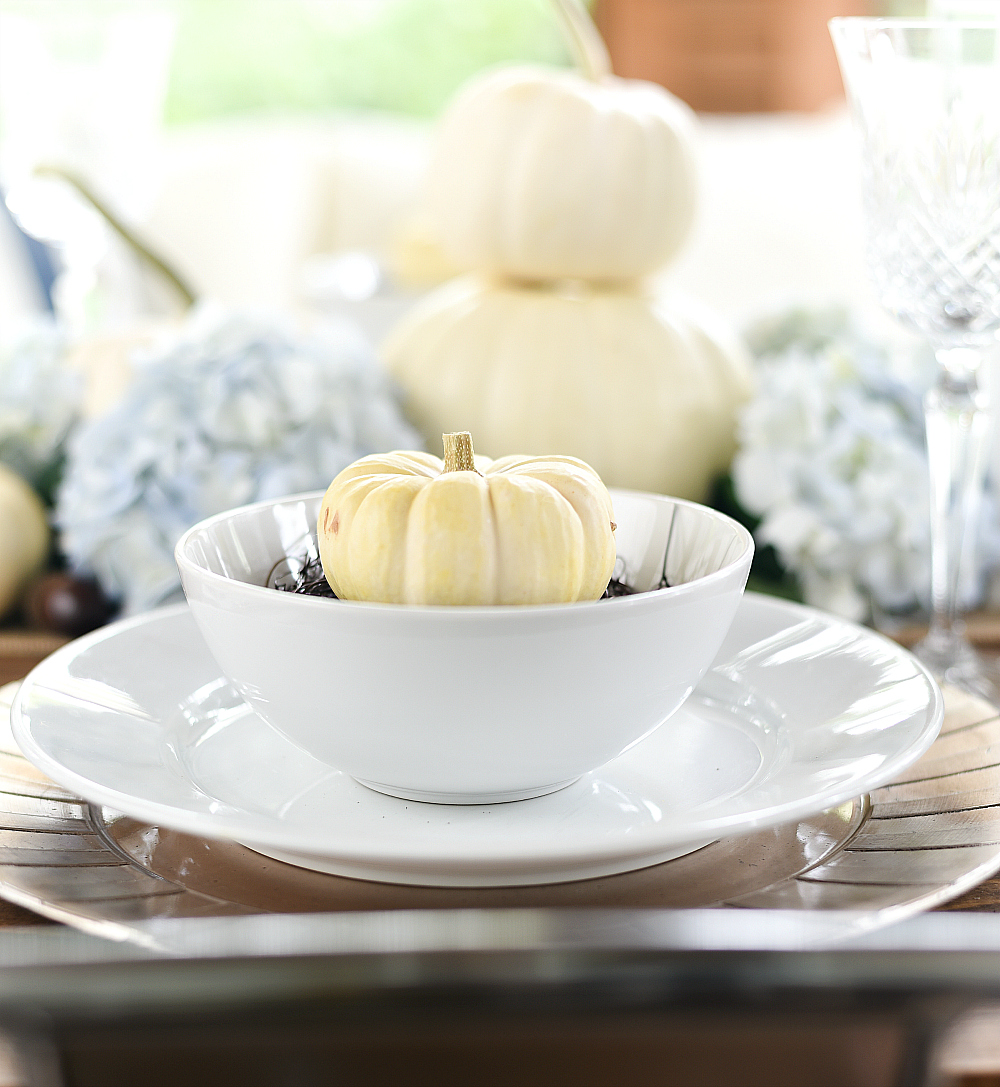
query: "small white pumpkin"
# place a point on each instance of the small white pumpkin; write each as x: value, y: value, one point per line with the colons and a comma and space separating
x: 408, y: 528
x: 539, y: 173
x: 644, y: 392
x: 24, y: 537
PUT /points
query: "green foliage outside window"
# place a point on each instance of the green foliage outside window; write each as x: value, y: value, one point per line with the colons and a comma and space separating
x: 238, y: 56
x: 402, y: 56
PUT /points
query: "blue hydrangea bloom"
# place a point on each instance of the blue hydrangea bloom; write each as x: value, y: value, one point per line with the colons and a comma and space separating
x: 236, y: 409
x: 832, y: 459
x: 40, y: 399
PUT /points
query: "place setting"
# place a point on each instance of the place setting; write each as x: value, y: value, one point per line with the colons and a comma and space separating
x: 807, y: 768
x: 508, y: 524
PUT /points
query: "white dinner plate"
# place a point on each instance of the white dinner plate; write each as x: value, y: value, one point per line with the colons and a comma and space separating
x: 799, y: 713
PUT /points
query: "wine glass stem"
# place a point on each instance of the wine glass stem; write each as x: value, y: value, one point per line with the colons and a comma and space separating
x: 957, y: 425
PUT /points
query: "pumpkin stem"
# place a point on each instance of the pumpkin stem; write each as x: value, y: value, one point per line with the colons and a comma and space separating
x: 590, y: 54
x: 458, y: 452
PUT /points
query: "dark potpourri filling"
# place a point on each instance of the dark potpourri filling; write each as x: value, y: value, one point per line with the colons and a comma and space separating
x: 618, y: 588
x: 311, y: 581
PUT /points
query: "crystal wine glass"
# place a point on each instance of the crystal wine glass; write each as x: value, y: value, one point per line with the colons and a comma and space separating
x: 925, y: 100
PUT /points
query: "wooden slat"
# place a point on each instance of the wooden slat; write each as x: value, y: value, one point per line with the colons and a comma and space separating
x: 89, y: 883
x: 962, y: 709
x: 982, y: 782
x: 937, y: 831
x: 982, y: 629
x: 902, y: 868
x: 21, y: 650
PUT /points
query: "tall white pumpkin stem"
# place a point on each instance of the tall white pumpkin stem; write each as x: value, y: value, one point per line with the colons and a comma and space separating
x: 590, y: 54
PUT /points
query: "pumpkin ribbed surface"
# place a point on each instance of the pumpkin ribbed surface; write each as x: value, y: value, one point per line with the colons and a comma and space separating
x: 397, y: 528
x: 541, y: 173
x: 645, y: 393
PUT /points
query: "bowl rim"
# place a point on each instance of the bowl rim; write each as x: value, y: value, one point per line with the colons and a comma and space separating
x: 616, y: 604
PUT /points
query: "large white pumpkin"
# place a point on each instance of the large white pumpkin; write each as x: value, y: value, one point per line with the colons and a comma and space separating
x: 538, y: 173
x: 644, y: 392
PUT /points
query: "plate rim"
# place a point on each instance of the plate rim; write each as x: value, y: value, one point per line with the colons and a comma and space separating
x: 220, y: 827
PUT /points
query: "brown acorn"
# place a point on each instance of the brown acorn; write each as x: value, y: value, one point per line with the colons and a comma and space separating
x: 64, y: 603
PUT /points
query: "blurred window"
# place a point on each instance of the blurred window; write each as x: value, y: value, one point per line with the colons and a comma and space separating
x: 403, y: 56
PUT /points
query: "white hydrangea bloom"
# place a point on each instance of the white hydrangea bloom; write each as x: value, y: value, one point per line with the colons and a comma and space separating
x: 832, y: 459
x: 235, y: 410
x: 40, y: 399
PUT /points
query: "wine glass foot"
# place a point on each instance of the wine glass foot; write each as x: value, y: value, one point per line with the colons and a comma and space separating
x: 955, y: 663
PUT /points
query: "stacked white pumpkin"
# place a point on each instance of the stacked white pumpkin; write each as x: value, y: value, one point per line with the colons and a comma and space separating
x: 561, y: 192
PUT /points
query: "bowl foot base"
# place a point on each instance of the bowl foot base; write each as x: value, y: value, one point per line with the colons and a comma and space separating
x: 423, y: 797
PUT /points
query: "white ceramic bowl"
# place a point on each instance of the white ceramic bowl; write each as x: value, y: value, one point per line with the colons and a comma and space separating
x: 467, y: 704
